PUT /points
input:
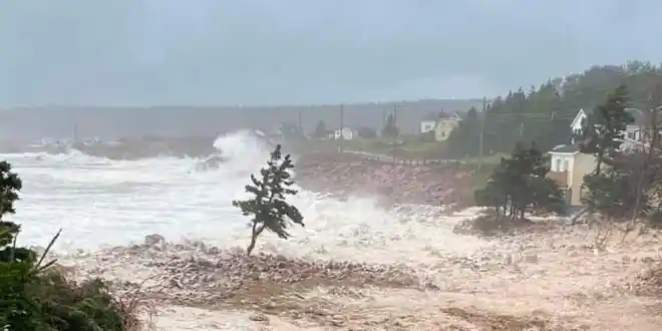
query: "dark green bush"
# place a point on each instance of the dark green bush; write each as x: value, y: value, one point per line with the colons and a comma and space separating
x: 34, y: 296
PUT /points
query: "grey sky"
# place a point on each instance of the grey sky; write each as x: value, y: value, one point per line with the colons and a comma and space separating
x: 203, y: 52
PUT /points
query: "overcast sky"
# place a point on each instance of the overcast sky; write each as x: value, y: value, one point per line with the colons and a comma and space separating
x: 211, y: 52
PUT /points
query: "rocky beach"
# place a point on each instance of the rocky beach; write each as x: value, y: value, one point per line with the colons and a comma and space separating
x: 411, y: 272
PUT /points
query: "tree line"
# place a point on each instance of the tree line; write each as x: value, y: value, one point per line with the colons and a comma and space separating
x: 624, y: 187
x: 543, y: 114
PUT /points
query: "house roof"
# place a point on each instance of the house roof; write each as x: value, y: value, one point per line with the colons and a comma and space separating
x: 640, y: 117
x: 439, y: 116
x: 430, y: 117
x: 578, y: 118
x: 565, y: 149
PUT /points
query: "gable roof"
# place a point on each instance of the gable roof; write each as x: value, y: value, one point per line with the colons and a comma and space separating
x: 640, y: 117
x: 440, y: 116
x: 565, y: 149
x: 430, y: 117
x: 581, y: 114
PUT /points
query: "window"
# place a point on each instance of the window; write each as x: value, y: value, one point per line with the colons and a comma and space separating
x: 558, y: 165
x: 566, y: 167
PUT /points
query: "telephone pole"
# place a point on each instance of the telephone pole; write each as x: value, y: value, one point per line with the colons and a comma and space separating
x: 342, y: 126
x: 395, y: 136
x: 300, y: 124
x: 481, y: 140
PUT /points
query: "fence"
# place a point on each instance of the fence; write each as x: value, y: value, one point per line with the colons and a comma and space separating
x: 391, y: 159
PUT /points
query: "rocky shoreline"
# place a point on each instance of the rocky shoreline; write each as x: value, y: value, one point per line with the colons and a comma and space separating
x: 342, y: 175
x: 565, y: 283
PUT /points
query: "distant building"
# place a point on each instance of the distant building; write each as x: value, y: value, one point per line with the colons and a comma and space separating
x: 635, y: 135
x: 442, y: 124
x: 568, y: 168
x: 344, y: 133
x: 428, y: 123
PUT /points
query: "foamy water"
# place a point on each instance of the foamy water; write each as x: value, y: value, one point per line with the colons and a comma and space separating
x: 99, y: 202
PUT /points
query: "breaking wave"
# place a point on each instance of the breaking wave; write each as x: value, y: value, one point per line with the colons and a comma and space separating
x: 101, y: 202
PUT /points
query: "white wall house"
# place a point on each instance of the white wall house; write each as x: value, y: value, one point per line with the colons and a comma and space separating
x: 345, y: 133
x: 569, y: 166
x: 442, y: 124
x: 578, y: 122
x: 634, y: 136
x: 428, y: 125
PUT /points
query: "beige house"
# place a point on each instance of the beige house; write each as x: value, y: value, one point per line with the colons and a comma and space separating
x: 568, y: 168
x: 445, y: 125
x: 440, y: 124
x: 344, y: 134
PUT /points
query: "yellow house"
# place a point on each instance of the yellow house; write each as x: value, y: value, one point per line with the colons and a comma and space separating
x: 568, y: 168
x: 445, y: 125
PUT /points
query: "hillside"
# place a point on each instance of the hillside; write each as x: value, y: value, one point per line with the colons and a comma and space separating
x: 543, y: 114
x: 112, y: 122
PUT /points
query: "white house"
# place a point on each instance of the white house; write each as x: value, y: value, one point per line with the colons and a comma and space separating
x: 344, y: 133
x: 578, y: 122
x: 634, y: 135
x: 445, y: 126
x: 569, y: 166
x: 442, y: 124
x: 428, y: 123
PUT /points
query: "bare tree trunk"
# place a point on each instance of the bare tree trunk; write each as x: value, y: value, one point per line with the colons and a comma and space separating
x: 255, y: 233
x: 643, y: 171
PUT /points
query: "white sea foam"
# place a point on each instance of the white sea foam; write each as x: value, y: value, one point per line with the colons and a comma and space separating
x: 101, y: 202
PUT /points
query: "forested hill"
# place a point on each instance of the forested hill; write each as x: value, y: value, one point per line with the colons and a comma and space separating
x: 59, y: 121
x: 543, y: 114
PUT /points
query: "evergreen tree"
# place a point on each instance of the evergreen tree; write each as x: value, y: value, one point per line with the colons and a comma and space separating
x: 519, y: 184
x: 268, y: 206
x: 603, y: 133
x: 544, y: 114
x: 10, y: 185
x: 291, y: 131
x: 320, y: 130
x: 366, y: 132
x: 464, y: 140
x: 390, y: 130
x: 34, y: 297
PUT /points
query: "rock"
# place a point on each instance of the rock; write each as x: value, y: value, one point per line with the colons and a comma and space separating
x: 258, y: 317
x: 508, y: 260
x: 647, y: 259
x: 531, y: 258
x: 154, y: 240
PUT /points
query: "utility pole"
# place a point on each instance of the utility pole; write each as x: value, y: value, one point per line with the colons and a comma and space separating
x: 481, y: 140
x: 521, y: 130
x: 342, y: 126
x: 74, y: 136
x: 395, y: 125
x: 301, y: 125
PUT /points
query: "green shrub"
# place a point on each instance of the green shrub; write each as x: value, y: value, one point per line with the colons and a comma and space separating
x: 36, y: 297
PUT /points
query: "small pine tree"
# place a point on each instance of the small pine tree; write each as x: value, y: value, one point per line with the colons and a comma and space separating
x: 603, y: 132
x: 320, y: 130
x: 519, y: 184
x: 10, y: 184
x: 390, y: 130
x: 268, y: 207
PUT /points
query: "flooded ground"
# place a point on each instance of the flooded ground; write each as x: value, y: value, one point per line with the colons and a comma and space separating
x: 547, y: 277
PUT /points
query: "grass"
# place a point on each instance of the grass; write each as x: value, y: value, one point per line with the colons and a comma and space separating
x: 406, y: 147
